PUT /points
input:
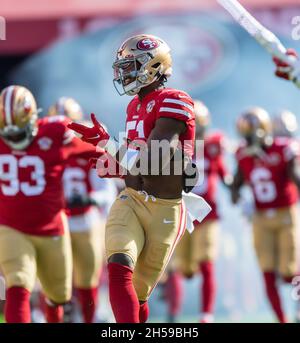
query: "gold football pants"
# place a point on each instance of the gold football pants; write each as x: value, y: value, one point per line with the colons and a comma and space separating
x: 24, y: 257
x: 195, y: 248
x: 275, y: 240
x: 147, y: 229
x: 88, y: 253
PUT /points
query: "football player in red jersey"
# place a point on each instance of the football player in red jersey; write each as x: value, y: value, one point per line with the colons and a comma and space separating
x: 269, y: 166
x: 198, y: 251
x: 85, y: 194
x: 287, y: 72
x: 34, y: 239
x: 284, y: 124
x: 149, y: 217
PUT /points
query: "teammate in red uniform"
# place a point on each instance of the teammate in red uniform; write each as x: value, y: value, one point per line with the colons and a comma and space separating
x: 88, y: 200
x: 269, y: 167
x: 34, y: 240
x: 148, y: 218
x: 198, y: 251
x: 285, y: 124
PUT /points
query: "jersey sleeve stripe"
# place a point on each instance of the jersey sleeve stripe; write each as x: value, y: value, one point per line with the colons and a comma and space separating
x: 7, y: 103
x: 179, y: 102
x: 175, y: 110
x: 68, y: 137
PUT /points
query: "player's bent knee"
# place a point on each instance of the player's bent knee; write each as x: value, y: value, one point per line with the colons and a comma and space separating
x: 56, y: 302
x: 188, y: 275
x: 123, y: 259
x: 188, y: 271
x: 59, y: 296
x: 19, y: 279
x: 60, y: 299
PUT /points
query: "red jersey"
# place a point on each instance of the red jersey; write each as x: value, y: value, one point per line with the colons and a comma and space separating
x: 268, y: 176
x: 212, y: 168
x: 76, y: 180
x: 166, y: 102
x: 31, y: 192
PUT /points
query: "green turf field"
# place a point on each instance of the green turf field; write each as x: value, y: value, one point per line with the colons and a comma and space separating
x: 245, y: 319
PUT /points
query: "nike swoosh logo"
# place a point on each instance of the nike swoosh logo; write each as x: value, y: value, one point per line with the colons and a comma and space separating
x: 95, y: 137
x: 168, y: 221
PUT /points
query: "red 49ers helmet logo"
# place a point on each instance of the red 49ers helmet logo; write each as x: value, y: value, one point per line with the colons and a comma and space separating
x: 27, y: 104
x: 147, y: 44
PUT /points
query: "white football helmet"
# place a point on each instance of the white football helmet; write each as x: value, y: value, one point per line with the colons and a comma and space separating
x: 284, y: 124
x: 66, y: 107
x: 18, y: 117
x: 202, y: 117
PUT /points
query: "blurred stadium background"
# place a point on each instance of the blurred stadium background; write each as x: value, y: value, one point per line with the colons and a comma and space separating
x: 66, y: 47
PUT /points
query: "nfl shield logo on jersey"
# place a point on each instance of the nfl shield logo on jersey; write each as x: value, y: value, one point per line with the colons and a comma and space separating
x: 150, y: 106
x: 45, y: 143
x: 274, y: 159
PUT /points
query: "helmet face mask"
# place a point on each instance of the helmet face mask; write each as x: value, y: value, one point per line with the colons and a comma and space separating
x: 126, y: 76
x: 20, y: 138
x: 141, y: 60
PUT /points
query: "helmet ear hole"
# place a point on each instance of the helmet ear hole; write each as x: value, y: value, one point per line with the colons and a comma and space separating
x: 156, y: 65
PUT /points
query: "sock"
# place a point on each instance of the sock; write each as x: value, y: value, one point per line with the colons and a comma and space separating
x: 208, y: 287
x: 273, y: 295
x: 42, y: 302
x: 88, y: 298
x: 174, y: 293
x: 122, y: 295
x: 17, y: 305
x: 144, y: 312
x: 53, y: 313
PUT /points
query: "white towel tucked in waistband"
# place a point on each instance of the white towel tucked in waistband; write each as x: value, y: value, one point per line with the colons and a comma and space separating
x: 197, y: 209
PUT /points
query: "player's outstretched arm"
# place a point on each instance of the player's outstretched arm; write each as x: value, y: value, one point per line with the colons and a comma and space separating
x: 237, y: 183
x: 166, y: 129
x: 287, y: 72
